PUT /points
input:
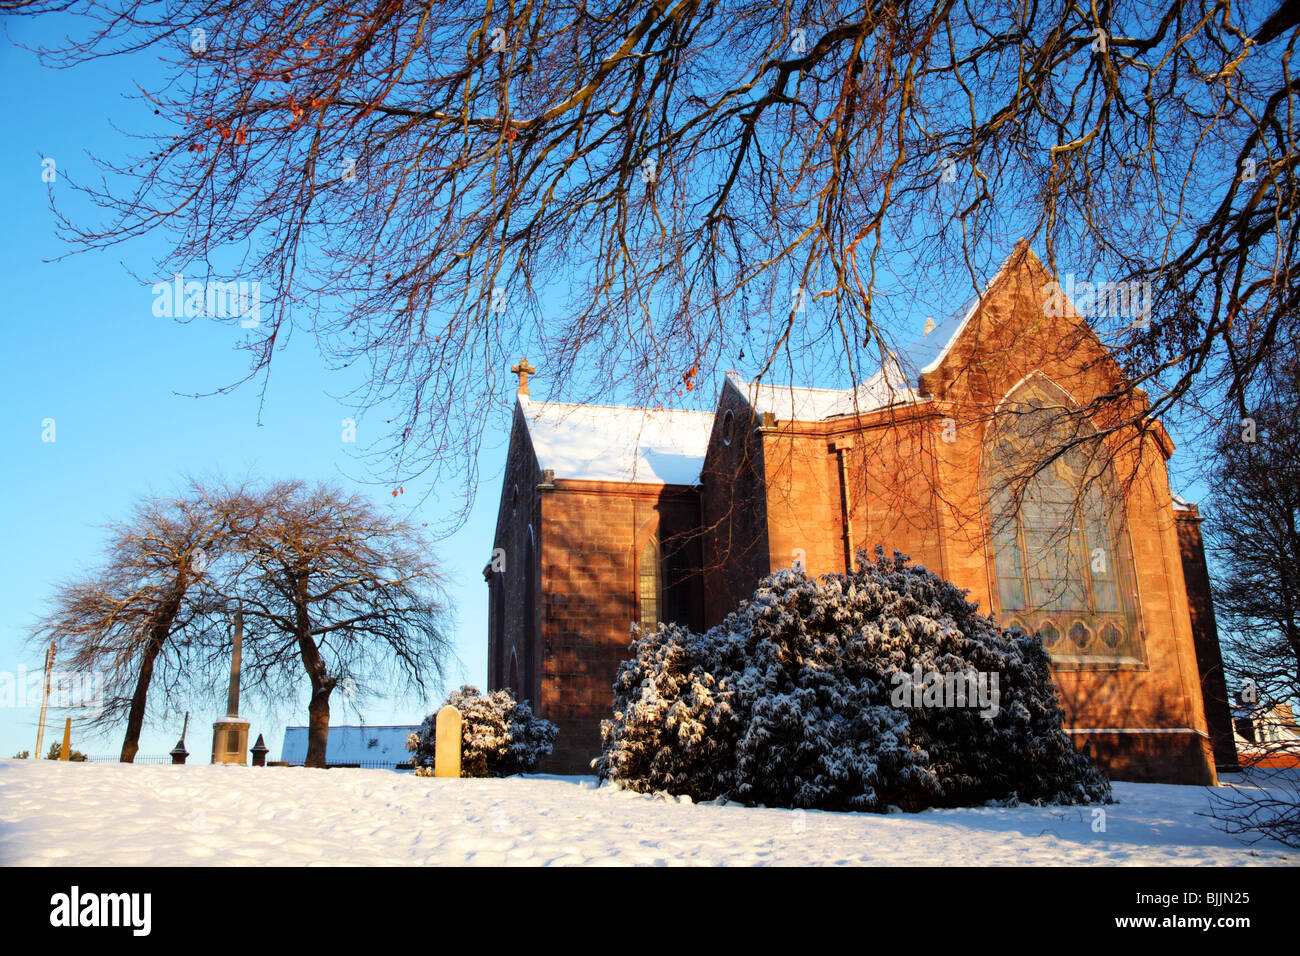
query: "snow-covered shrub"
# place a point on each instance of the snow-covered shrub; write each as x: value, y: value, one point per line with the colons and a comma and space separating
x: 56, y: 751
x: 499, y: 735
x: 799, y: 699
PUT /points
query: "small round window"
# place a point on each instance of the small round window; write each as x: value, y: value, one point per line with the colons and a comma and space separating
x: 728, y: 427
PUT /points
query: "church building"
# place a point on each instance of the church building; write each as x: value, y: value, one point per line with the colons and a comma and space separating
x: 615, y: 516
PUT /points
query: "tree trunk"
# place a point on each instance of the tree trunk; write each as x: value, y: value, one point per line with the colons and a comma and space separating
x: 318, y: 725
x: 135, y: 719
x: 318, y: 710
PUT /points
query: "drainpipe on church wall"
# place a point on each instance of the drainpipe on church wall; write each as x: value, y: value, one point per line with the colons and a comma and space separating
x: 841, y: 446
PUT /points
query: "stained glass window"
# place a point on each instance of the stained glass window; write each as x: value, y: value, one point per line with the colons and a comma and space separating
x: 1060, y: 552
x: 649, y: 585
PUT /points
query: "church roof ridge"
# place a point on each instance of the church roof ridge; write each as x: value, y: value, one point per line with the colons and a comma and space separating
x: 628, y: 408
x: 882, y: 388
x: 735, y: 376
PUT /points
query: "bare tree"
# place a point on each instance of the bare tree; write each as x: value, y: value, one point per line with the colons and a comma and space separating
x: 1253, y: 530
x: 681, y: 186
x: 1254, y: 536
x: 149, y: 608
x: 330, y: 588
x: 335, y: 591
x: 1267, y: 809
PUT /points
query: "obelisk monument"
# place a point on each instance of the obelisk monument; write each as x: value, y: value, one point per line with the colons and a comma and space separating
x: 230, y: 733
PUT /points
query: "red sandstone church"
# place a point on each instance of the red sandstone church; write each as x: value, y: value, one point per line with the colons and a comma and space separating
x: 614, y: 516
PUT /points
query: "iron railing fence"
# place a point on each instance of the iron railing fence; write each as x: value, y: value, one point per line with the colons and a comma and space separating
x: 361, y: 765
x: 166, y: 758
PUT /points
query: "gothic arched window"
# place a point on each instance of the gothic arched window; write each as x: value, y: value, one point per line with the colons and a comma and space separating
x: 497, y: 589
x: 649, y: 584
x: 530, y: 689
x: 1062, y: 564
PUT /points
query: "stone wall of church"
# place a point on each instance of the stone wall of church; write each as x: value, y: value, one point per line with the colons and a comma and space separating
x: 594, y: 534
x: 892, y: 483
x: 802, y: 481
x: 1146, y: 721
x: 511, y: 659
x: 1205, y: 631
x: 882, y: 493
x: 733, y: 508
x: 914, y: 485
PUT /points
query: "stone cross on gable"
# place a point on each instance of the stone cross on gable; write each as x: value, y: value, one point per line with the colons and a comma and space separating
x: 523, y: 370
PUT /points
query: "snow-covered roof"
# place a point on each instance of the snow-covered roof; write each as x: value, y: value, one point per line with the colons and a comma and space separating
x: 886, y: 387
x: 618, y: 443
x: 352, y: 744
x: 923, y: 354
x: 1181, y: 503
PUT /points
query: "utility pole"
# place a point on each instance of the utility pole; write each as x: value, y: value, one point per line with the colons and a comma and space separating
x: 45, y: 697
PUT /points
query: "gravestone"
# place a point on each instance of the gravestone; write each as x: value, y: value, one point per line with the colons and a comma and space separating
x: 446, y: 743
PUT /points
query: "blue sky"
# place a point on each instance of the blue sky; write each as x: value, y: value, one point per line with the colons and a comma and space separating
x: 81, y: 346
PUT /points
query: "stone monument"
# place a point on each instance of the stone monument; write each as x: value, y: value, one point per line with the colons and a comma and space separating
x: 230, y: 733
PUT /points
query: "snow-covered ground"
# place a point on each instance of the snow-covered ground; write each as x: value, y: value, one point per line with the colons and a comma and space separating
x: 119, y: 815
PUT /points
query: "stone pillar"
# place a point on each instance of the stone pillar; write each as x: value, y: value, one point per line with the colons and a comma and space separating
x: 446, y: 743
x: 259, y: 752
